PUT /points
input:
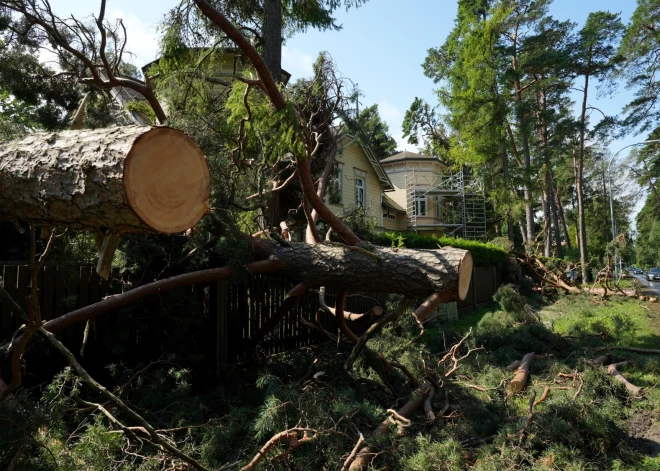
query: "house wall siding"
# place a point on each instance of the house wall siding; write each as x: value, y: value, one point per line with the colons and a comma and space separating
x: 398, y: 224
x: 425, y: 176
x: 355, y: 161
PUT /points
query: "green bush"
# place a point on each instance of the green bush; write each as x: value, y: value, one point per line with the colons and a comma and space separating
x: 510, y: 299
x: 483, y: 253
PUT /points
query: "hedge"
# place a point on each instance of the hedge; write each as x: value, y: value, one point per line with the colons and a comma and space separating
x: 483, y: 253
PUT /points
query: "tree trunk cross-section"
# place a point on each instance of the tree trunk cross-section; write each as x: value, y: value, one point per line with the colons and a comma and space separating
x: 124, y: 179
x: 414, y: 273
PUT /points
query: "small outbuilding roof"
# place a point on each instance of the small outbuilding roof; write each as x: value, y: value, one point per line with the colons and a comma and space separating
x: 389, y: 203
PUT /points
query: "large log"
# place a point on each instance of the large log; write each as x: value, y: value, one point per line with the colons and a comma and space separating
x: 122, y: 179
x: 414, y: 273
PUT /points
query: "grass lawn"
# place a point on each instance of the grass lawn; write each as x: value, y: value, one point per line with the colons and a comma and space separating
x: 603, y: 427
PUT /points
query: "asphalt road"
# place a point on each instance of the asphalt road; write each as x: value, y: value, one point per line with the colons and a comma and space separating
x: 651, y: 287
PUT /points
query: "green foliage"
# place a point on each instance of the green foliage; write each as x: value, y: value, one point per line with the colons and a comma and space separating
x: 362, y: 223
x: 269, y: 133
x: 639, y: 46
x: 647, y: 242
x: 370, y: 129
x: 510, y: 299
x: 503, y: 242
x: 232, y: 420
x: 483, y: 253
x: 436, y: 455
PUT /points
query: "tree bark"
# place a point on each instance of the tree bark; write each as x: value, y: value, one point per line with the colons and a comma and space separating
x: 555, y: 218
x: 367, y: 454
x: 123, y: 179
x: 524, y: 138
x: 579, y: 180
x: 519, y: 380
x: 562, y: 218
x: 272, y: 38
x: 414, y: 273
x: 614, y: 372
x: 505, y: 174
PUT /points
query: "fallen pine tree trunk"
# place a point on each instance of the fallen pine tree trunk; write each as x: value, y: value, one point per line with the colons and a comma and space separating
x: 413, y: 273
x: 122, y: 179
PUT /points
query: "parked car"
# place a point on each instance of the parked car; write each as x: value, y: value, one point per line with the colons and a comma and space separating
x: 653, y: 274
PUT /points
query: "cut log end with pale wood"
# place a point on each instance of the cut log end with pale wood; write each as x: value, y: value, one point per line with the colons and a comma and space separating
x: 464, y: 276
x: 167, y: 182
x: 519, y: 380
x: 122, y: 179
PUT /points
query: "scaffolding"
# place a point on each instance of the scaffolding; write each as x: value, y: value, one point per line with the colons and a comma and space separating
x: 459, y: 201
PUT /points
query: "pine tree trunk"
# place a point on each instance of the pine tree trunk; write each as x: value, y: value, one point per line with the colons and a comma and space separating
x: 413, y: 273
x: 272, y: 38
x: 524, y: 138
x: 562, y: 218
x: 547, y: 190
x: 123, y: 179
x: 579, y: 180
x: 547, y: 228
x: 505, y: 174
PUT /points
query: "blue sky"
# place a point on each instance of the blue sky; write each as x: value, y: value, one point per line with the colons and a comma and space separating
x: 381, y: 46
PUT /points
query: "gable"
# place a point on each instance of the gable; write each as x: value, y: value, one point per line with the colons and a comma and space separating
x: 344, y: 141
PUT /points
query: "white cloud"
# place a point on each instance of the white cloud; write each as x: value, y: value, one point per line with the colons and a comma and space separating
x: 401, y: 142
x: 391, y: 114
x: 298, y: 63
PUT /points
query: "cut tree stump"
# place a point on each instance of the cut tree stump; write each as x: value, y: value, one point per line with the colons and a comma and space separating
x: 119, y: 180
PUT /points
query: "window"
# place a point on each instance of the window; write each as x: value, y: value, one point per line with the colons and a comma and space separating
x: 360, y: 190
x: 420, y: 206
x: 389, y: 216
x: 335, y: 186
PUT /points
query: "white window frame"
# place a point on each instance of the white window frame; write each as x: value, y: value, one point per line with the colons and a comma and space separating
x: 360, y: 186
x: 417, y: 206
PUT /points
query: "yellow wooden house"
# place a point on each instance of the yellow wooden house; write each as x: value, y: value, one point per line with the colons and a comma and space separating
x: 415, y: 178
x: 358, y: 181
x: 435, y: 200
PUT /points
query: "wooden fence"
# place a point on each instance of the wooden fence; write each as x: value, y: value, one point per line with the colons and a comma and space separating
x: 242, y: 309
x: 235, y: 310
x: 62, y: 289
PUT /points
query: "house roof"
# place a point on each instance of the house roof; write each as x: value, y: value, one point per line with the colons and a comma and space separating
x: 405, y: 155
x: 344, y: 139
x: 286, y: 76
x: 389, y: 203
